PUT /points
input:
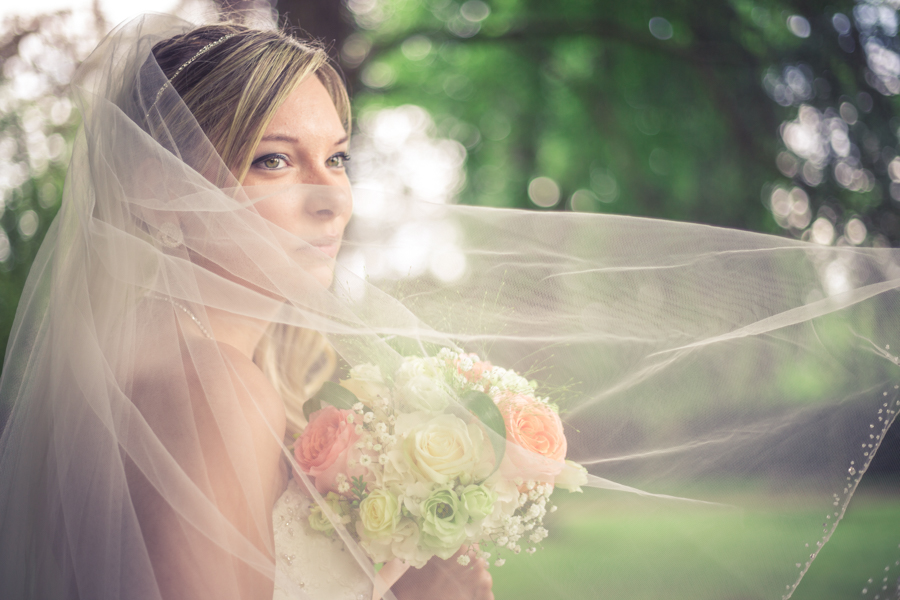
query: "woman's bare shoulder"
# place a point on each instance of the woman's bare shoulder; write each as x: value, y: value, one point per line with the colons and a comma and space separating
x: 207, y: 386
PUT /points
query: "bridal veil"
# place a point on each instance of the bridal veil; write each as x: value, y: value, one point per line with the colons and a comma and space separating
x: 738, y: 382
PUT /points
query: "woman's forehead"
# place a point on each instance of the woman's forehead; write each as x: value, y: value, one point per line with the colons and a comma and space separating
x: 308, y: 114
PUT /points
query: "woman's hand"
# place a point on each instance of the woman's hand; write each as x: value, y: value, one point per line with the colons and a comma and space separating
x: 446, y: 580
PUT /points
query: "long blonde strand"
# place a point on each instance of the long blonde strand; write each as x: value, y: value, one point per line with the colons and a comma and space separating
x: 297, y: 362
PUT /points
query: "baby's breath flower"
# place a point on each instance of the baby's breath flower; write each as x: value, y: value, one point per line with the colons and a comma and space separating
x: 553, y: 508
x: 358, y: 407
x: 350, y: 418
x: 365, y: 460
x: 343, y: 487
x: 380, y: 427
x: 499, y: 562
x: 463, y: 559
x: 377, y: 447
x: 382, y: 459
x: 368, y: 417
x: 530, y: 550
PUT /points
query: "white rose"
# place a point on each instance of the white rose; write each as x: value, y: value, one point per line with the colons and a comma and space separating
x: 445, y: 448
x: 403, y: 544
x: 572, y: 477
x: 367, y: 372
x: 421, y: 385
x: 379, y: 514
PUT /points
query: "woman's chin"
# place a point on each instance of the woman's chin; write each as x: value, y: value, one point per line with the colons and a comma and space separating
x: 323, y: 273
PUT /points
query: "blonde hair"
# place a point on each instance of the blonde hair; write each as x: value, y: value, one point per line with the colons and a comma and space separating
x: 233, y: 91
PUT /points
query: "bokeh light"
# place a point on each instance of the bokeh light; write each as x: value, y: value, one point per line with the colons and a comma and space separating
x: 544, y: 192
x: 660, y: 28
x: 799, y: 26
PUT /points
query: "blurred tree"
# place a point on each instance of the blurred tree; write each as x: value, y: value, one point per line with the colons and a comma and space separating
x: 37, y: 126
x: 773, y: 115
x: 714, y: 113
x: 326, y: 20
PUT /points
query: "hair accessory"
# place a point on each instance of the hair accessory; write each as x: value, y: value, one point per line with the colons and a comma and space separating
x: 169, y: 235
x: 200, y: 52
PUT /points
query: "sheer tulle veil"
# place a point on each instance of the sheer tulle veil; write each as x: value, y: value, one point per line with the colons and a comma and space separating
x: 738, y: 381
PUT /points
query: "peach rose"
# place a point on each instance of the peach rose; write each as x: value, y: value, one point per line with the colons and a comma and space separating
x: 536, y: 447
x: 326, y: 444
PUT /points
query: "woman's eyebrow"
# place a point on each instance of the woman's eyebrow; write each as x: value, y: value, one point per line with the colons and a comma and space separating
x: 279, y: 137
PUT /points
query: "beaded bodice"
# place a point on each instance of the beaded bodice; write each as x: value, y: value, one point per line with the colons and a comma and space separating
x: 315, y: 565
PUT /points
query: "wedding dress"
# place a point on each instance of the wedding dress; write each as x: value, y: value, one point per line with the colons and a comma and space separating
x: 726, y: 390
x: 317, y: 564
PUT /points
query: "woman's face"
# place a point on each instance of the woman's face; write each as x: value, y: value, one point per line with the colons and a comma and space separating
x: 305, y: 143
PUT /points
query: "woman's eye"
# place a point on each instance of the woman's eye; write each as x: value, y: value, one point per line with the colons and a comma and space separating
x: 271, y: 162
x: 338, y: 160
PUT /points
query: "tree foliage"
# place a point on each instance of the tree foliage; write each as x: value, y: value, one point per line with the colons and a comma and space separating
x: 675, y: 110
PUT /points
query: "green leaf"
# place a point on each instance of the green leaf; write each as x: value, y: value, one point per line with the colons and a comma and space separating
x: 330, y: 393
x: 482, y: 406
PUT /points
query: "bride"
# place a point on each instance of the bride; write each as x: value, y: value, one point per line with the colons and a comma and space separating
x: 188, y: 302
x: 188, y: 440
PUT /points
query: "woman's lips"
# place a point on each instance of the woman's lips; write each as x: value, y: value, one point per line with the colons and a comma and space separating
x: 328, y: 246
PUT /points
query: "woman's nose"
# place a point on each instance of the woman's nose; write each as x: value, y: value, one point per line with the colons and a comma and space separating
x: 327, y: 202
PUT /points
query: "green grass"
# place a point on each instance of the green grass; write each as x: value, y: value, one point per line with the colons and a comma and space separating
x: 609, y: 548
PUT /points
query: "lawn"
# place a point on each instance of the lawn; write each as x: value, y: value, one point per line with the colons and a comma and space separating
x: 603, y: 547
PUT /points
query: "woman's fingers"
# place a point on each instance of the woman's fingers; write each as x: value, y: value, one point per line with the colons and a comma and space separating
x: 447, y: 580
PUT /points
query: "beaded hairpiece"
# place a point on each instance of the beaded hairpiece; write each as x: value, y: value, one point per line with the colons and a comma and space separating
x: 199, y: 53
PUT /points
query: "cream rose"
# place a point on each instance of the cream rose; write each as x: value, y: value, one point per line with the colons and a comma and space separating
x: 367, y: 384
x: 478, y: 501
x: 379, y: 514
x: 445, y: 448
x: 572, y: 477
x: 420, y: 385
x: 319, y: 521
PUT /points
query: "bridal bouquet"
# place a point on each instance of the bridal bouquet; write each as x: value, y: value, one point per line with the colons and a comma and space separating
x: 448, y: 451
